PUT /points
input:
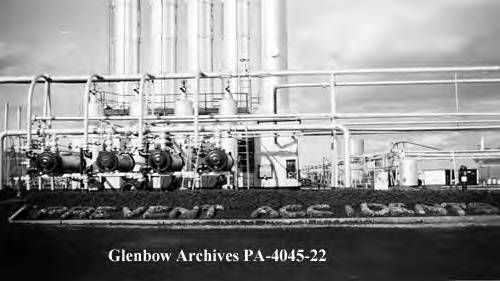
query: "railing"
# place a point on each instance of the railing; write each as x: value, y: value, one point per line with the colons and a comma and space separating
x: 116, y: 104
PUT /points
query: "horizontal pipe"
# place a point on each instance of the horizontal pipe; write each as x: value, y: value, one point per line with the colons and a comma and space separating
x: 429, y: 128
x: 163, y: 76
x: 418, y: 82
x: 272, y: 117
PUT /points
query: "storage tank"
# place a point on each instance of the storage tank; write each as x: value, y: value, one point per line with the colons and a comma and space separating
x: 163, y: 161
x: 125, y: 21
x: 228, y: 105
x: 357, y: 147
x: 135, y: 108
x: 51, y: 163
x: 408, y: 172
x: 108, y: 161
x: 95, y: 108
x: 219, y: 160
x: 183, y: 107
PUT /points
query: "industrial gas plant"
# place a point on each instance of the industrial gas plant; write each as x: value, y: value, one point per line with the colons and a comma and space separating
x: 204, y: 104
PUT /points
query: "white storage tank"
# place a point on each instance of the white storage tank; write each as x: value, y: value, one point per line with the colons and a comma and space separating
x: 228, y: 106
x: 408, y: 172
x: 183, y: 107
x: 357, y: 147
x: 95, y: 109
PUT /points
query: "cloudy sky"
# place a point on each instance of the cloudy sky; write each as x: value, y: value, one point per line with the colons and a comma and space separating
x: 70, y: 36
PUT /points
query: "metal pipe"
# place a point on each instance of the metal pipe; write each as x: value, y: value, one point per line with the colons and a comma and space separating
x: 230, y: 39
x: 207, y: 128
x: 262, y: 73
x: 6, y: 117
x: 31, y: 91
x: 429, y: 129
x: 258, y: 118
x: 86, y: 96
x: 196, y: 110
x: 141, y: 109
x: 47, y: 103
x: 418, y: 82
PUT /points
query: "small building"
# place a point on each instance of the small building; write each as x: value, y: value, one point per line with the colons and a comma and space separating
x: 442, y: 172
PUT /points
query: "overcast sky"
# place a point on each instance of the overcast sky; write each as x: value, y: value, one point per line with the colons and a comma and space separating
x: 70, y: 36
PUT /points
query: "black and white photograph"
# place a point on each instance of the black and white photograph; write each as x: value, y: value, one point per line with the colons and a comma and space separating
x: 249, y: 140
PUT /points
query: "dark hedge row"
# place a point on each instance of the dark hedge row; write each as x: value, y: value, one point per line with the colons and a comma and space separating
x: 248, y: 200
x: 7, y: 193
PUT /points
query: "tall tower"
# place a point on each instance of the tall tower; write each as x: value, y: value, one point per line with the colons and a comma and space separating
x: 163, y: 49
x: 125, y: 35
x: 278, y: 157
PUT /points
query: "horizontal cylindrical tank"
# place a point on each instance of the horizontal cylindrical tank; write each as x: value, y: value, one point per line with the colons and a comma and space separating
x: 219, y: 160
x: 408, y: 172
x: 108, y: 161
x: 51, y: 163
x: 163, y: 161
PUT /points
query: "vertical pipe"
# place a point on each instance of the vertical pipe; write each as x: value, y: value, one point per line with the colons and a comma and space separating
x: 5, y: 162
x: 333, y: 110
x: 207, y: 42
x: 335, y: 161
x: 230, y: 38
x: 193, y: 60
x: 6, y: 117
x: 2, y: 147
x: 19, y: 117
x: 47, y: 103
x: 243, y: 32
x: 86, y: 95
x: 347, y: 155
x: 456, y: 92
x: 19, y: 120
x: 29, y: 109
x: 142, y: 83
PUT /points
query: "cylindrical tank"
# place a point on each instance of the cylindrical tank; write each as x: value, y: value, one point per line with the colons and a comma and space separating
x: 163, y: 47
x: 228, y: 106
x: 72, y: 163
x: 108, y: 161
x: 183, y: 107
x: 126, y: 162
x: 135, y: 107
x: 219, y: 160
x: 95, y: 108
x: 408, y: 172
x: 134, y: 111
x: 357, y: 147
x: 163, y: 161
x: 50, y: 163
x: 47, y: 162
x: 125, y: 41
